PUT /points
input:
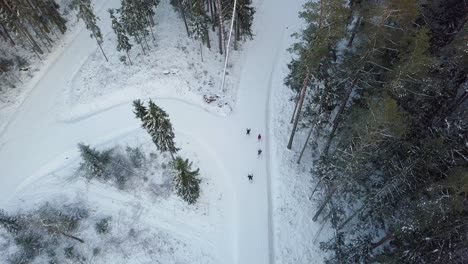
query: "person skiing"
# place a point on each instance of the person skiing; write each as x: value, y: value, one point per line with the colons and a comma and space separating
x: 259, y: 137
x: 250, y: 176
x: 259, y: 152
x: 247, y: 131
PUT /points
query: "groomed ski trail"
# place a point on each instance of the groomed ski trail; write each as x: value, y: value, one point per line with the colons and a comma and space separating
x: 34, y: 138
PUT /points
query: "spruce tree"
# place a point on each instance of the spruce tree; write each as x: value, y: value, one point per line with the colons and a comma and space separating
x: 199, y: 30
x: 134, y: 20
x: 86, y: 13
x: 391, y: 107
x: 94, y: 163
x: 156, y: 122
x: 186, y: 180
x: 147, y: 7
x: 123, y: 42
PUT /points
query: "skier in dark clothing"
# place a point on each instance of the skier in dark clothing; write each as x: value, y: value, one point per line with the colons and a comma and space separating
x: 259, y: 152
x: 250, y: 176
x: 247, y: 131
x: 259, y: 137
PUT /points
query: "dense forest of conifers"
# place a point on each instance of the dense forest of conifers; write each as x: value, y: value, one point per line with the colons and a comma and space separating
x: 382, y: 90
x: 35, y: 25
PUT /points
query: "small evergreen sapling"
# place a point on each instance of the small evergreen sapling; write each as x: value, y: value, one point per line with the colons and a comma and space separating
x: 94, y: 163
x: 11, y: 223
x: 186, y: 180
x: 103, y: 226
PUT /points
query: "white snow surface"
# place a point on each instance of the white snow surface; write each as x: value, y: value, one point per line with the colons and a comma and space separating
x: 77, y: 97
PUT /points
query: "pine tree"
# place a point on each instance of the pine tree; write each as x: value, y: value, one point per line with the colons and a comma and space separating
x: 391, y: 110
x: 86, y: 13
x: 186, y: 180
x: 147, y: 7
x: 220, y: 18
x: 318, y: 46
x: 94, y: 162
x: 123, y: 42
x: 135, y: 20
x: 156, y: 122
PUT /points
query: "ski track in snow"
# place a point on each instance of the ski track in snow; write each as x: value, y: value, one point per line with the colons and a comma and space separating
x: 36, y: 140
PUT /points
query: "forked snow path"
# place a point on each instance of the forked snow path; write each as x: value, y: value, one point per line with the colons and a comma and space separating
x: 35, y: 138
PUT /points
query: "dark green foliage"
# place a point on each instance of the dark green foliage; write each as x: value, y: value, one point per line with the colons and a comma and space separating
x: 95, y: 163
x: 18, y: 18
x: 186, y: 180
x: 27, y: 28
x: 199, y: 15
x: 11, y: 223
x: 139, y: 109
x: 123, y: 43
x: 103, y: 226
x: 156, y: 122
x: 86, y: 13
x: 389, y: 108
x: 134, y: 19
x: 245, y: 14
x: 116, y: 166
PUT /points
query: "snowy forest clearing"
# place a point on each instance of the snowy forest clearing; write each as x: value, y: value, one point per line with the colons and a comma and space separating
x: 148, y: 222
x: 58, y: 114
x: 171, y: 68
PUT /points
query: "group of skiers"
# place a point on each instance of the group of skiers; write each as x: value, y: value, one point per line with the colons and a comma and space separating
x: 259, y: 151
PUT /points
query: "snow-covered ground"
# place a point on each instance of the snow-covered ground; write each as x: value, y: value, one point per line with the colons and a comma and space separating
x: 297, y: 238
x: 17, y: 84
x: 172, y: 68
x: 77, y: 97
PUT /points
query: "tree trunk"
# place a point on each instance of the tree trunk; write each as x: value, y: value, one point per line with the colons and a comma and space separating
x: 222, y: 45
x: 8, y: 36
x: 213, y: 14
x: 239, y: 29
x: 324, y: 203
x: 146, y: 42
x: 151, y: 28
x: 201, y: 51
x: 341, y: 108
x: 295, y: 108
x: 229, y: 44
x: 301, y: 101
x: 28, y: 36
x: 102, y: 51
x: 128, y: 56
x: 382, y: 241
x: 353, y: 33
x: 236, y: 31
x: 205, y: 27
x: 207, y: 33
x: 182, y: 13
x: 138, y: 40
x: 305, y: 144
x: 72, y: 237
